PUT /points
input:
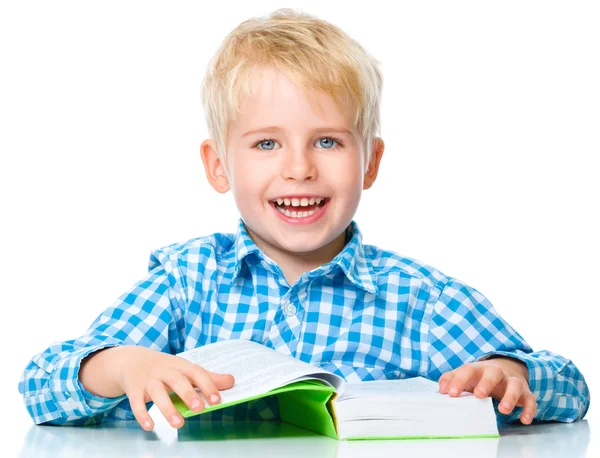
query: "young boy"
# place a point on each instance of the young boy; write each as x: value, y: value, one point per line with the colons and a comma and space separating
x: 292, y: 105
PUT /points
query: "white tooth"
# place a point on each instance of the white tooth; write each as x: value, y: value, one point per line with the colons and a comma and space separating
x: 295, y: 202
x: 279, y: 201
x: 311, y: 201
x: 286, y: 201
x: 318, y: 200
x: 296, y: 214
x: 304, y: 202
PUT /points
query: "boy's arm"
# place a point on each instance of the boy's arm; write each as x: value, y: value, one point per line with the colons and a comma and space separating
x: 150, y: 315
x: 465, y: 328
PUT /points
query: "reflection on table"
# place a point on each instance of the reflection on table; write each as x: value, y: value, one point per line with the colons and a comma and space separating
x: 260, y: 439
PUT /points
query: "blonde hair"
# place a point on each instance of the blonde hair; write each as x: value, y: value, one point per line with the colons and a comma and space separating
x: 310, y: 52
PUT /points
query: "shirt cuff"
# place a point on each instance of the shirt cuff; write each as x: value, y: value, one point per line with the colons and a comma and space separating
x: 72, y: 400
x: 541, y: 384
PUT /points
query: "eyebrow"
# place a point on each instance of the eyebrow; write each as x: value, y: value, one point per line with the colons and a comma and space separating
x: 317, y: 130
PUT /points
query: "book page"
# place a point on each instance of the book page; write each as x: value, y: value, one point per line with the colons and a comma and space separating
x: 256, y: 368
x: 389, y: 388
x: 411, y: 407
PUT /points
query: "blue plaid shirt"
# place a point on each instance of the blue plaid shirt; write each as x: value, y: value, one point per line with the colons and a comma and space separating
x: 368, y: 314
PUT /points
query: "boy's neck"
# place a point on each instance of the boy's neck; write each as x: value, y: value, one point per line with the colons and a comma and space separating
x: 293, y: 264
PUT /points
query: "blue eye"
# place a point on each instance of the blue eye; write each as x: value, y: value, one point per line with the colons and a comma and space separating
x: 266, y: 140
x: 328, y: 139
x: 325, y: 142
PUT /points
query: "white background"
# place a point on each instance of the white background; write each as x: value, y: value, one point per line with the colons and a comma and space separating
x: 490, y: 117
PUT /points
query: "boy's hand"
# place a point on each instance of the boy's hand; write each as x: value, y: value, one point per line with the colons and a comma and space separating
x: 146, y: 375
x: 504, y: 379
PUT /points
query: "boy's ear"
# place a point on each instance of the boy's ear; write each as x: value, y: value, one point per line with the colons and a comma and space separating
x: 213, y: 166
x: 373, y: 166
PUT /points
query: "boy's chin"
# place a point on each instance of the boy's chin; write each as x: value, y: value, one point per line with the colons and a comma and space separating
x: 305, y: 244
x: 299, y: 240
x: 298, y: 243
x: 290, y: 242
x: 301, y: 248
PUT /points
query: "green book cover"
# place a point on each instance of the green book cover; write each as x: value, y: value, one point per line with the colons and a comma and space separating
x: 305, y: 404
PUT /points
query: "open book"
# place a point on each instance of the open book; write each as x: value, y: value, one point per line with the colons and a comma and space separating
x: 317, y: 400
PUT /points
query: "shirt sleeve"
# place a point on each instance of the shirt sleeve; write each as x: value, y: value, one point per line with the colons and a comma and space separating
x: 149, y: 314
x: 465, y: 328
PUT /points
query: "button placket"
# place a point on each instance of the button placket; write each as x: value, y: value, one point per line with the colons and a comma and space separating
x: 288, y: 308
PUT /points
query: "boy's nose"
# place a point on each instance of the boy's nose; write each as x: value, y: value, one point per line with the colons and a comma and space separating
x: 298, y: 165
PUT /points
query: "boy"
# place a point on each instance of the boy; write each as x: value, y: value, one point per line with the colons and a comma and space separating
x: 292, y: 105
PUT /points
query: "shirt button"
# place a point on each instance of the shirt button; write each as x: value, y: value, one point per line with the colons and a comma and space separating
x: 290, y: 310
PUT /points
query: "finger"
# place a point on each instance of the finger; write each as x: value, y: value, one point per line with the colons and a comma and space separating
x: 204, y: 381
x: 444, y: 381
x: 529, y: 407
x: 492, y: 377
x: 210, y: 383
x: 158, y: 393
x: 514, y: 390
x: 222, y: 381
x: 464, y: 378
x: 180, y: 384
x: 138, y: 407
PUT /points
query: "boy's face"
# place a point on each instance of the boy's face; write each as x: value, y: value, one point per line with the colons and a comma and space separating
x: 314, y: 154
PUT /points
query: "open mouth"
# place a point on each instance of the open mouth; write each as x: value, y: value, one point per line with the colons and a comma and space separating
x: 299, y: 207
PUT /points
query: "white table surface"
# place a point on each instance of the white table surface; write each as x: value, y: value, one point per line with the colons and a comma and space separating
x: 248, y: 440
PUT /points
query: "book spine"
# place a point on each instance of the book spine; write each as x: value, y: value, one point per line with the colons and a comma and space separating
x: 309, y: 409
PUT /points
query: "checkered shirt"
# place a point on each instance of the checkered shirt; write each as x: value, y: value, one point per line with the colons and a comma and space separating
x: 368, y: 314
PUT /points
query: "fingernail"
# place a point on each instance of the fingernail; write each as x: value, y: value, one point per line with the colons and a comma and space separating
x: 147, y: 424
x: 527, y: 418
x: 175, y: 420
x: 214, y: 398
x: 453, y: 391
x: 505, y: 405
x: 481, y: 390
x: 443, y: 386
x: 196, y: 404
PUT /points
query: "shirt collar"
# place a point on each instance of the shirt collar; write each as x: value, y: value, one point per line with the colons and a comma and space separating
x: 351, y: 259
x: 243, y: 246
